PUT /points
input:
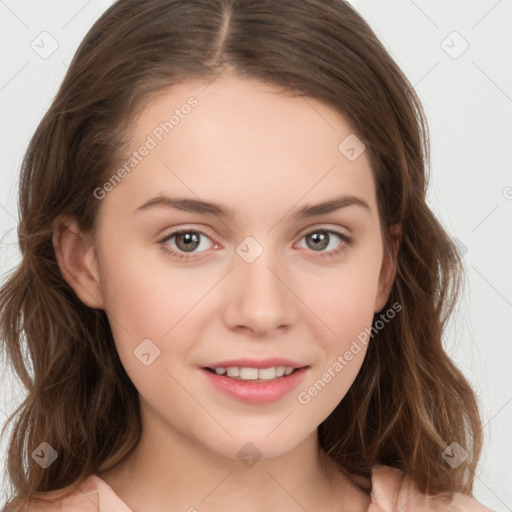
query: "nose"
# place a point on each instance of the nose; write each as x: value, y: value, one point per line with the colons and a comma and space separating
x: 260, y: 296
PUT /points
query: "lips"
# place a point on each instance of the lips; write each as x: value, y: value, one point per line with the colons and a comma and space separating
x: 244, y: 384
x: 256, y: 363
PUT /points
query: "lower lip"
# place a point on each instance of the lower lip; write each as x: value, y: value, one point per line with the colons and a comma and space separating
x: 256, y: 392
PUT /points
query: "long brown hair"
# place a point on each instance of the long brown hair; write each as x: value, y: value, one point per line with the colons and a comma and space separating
x: 409, y: 400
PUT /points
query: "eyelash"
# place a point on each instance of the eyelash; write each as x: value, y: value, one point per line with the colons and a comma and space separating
x: 346, y: 242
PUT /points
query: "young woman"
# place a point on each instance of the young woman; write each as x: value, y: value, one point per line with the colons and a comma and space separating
x: 232, y: 290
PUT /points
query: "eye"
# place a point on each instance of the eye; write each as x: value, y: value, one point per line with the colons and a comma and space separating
x: 321, y: 238
x: 184, y: 241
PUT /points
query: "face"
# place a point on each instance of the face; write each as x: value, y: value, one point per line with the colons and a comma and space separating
x: 272, y: 282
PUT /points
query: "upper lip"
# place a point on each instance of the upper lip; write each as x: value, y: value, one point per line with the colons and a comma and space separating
x: 256, y: 363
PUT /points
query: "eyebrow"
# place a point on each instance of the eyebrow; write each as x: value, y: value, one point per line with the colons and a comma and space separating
x: 221, y: 211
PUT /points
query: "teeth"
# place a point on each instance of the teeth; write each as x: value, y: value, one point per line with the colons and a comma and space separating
x: 247, y: 373
x: 266, y: 373
x: 233, y: 371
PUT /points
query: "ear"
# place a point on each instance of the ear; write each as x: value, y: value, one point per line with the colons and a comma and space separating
x: 388, y: 268
x: 76, y: 257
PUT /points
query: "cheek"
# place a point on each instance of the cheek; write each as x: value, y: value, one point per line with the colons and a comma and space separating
x: 347, y: 310
x: 145, y: 295
x: 349, y: 315
x: 150, y: 301
x: 344, y: 299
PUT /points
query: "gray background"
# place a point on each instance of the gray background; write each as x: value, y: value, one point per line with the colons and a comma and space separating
x: 467, y: 97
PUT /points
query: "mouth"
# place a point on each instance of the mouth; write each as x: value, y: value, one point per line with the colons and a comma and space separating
x: 251, y: 374
x: 253, y: 385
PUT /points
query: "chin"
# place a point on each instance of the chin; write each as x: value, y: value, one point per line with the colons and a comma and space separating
x: 250, y: 449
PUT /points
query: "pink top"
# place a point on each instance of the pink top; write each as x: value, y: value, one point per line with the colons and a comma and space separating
x: 391, y: 493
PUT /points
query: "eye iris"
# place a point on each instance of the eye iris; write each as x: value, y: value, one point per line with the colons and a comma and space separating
x: 190, y: 239
x: 319, y: 236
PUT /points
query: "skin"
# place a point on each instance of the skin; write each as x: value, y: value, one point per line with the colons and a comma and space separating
x: 264, y: 154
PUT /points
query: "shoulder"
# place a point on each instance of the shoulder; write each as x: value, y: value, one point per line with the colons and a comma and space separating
x: 91, y: 495
x: 392, y: 491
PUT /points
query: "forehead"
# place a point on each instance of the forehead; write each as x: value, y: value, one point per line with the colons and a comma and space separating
x: 242, y: 140
x: 230, y: 102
